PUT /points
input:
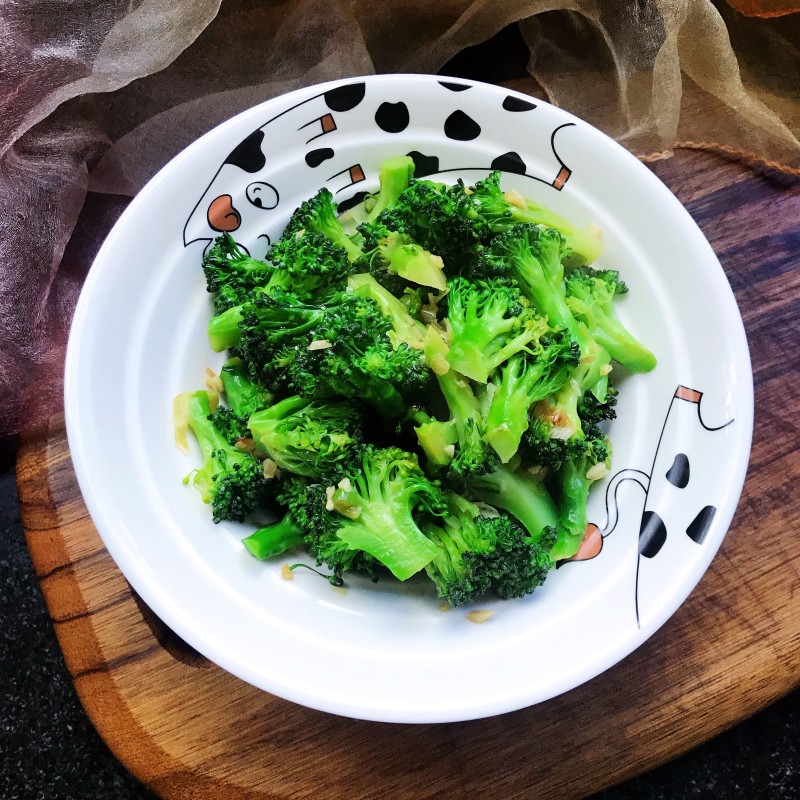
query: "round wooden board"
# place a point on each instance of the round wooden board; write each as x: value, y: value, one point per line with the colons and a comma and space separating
x: 189, y: 730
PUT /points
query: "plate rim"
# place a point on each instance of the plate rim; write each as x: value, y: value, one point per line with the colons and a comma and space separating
x: 172, y: 616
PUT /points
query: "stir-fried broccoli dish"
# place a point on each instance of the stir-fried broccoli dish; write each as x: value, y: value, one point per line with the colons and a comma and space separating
x: 419, y: 386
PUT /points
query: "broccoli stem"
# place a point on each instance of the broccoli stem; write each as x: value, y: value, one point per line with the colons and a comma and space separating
x: 521, y: 494
x: 573, y: 518
x: 585, y: 246
x: 274, y: 539
x: 243, y: 395
x: 224, y: 331
x: 405, y: 329
x: 412, y: 261
x: 622, y: 346
x: 395, y: 175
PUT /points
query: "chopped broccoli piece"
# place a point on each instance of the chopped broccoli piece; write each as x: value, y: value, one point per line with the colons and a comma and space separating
x: 243, y: 394
x: 231, y: 274
x: 307, y: 437
x: 461, y: 438
x: 317, y: 215
x: 522, y: 381
x: 477, y: 555
x: 519, y: 492
x: 490, y: 322
x: 377, y: 505
x: 501, y: 214
x: 231, y: 480
x: 590, y: 298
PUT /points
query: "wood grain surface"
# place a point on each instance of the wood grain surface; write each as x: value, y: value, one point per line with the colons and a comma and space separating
x: 189, y: 730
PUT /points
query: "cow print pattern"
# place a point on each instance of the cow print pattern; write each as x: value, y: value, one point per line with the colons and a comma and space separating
x: 678, y: 473
x: 392, y: 117
x: 461, y: 127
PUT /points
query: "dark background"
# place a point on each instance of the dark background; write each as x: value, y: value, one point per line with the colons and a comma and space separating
x: 50, y: 751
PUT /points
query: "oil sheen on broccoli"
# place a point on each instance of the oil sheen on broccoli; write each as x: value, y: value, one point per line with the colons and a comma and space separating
x: 422, y: 388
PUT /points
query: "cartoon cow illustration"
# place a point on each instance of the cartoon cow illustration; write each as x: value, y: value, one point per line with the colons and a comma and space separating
x: 677, y: 510
x: 323, y: 133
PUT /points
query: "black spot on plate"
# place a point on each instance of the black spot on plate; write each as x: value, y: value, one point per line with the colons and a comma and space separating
x: 392, y: 117
x: 678, y: 473
x: 510, y: 162
x: 698, y: 527
x: 516, y: 104
x: 423, y: 165
x: 652, y: 534
x: 345, y: 98
x: 315, y: 157
x: 247, y: 155
x: 454, y: 87
x: 351, y: 202
x: 461, y: 127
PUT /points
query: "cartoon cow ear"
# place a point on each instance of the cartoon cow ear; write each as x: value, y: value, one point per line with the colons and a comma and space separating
x: 262, y: 195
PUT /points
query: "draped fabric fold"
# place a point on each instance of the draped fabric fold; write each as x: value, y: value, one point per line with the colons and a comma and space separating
x: 97, y: 96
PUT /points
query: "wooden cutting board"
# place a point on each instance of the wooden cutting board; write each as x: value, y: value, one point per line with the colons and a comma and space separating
x: 189, y: 730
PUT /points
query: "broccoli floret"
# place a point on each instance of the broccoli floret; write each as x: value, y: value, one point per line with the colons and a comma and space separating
x: 231, y: 274
x: 376, y: 506
x: 477, y: 555
x: 390, y: 253
x: 395, y: 175
x: 590, y: 298
x: 269, y: 323
x: 500, y: 214
x: 590, y: 409
x: 404, y: 328
x: 317, y: 215
x: 522, y: 381
x: 307, y: 437
x: 532, y: 256
x: 311, y: 267
x: 231, y: 480
x: 573, y: 482
x: 461, y: 438
x: 351, y: 353
x: 230, y: 424
x: 243, y: 394
x: 490, y: 322
x: 442, y: 219
x: 519, y: 492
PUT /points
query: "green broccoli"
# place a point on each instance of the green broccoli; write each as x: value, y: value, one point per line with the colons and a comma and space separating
x: 482, y: 554
x: 522, y: 381
x: 490, y: 322
x: 307, y: 437
x: 500, y: 214
x: 243, y: 394
x: 231, y: 274
x: 459, y: 440
x: 441, y: 219
x: 231, y: 480
x: 377, y: 503
x: 573, y: 481
x: 315, y: 215
x: 519, y: 492
x: 312, y: 267
x: 590, y: 298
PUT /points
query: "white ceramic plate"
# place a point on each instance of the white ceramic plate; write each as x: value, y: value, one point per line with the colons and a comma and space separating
x: 388, y: 652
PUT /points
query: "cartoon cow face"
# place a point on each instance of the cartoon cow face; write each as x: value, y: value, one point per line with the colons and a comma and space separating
x: 324, y: 135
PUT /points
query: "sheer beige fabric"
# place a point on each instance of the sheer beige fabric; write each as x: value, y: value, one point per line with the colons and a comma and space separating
x: 96, y: 96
